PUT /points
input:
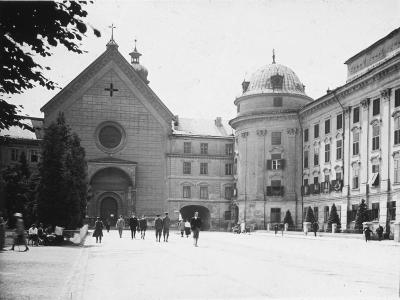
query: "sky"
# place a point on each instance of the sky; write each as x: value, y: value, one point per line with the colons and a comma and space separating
x: 199, y: 52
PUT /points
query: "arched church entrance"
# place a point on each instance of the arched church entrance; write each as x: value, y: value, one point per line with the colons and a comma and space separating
x: 187, y: 212
x: 109, y: 210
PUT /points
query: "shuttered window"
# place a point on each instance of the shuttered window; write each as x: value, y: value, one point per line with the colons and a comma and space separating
x: 276, y: 138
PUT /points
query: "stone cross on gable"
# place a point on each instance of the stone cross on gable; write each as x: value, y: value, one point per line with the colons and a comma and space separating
x: 111, y: 89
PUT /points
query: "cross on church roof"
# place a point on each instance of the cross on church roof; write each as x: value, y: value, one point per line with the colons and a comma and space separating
x: 112, y: 42
x: 111, y: 89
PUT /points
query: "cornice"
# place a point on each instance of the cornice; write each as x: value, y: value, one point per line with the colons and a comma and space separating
x: 199, y: 156
x: 202, y: 137
x: 281, y: 115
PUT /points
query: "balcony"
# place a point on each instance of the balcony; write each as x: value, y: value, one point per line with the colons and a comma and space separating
x: 275, y: 191
x: 336, y: 185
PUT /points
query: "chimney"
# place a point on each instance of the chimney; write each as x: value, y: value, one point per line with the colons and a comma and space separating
x: 218, y: 122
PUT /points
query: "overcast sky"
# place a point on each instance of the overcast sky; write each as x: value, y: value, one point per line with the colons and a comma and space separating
x: 198, y: 53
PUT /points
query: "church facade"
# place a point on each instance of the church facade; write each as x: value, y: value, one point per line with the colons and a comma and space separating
x: 283, y: 151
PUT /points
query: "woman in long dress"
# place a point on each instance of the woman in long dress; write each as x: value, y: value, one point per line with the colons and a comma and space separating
x: 98, y: 230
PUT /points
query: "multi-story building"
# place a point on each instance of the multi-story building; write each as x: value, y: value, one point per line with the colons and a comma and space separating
x: 286, y: 151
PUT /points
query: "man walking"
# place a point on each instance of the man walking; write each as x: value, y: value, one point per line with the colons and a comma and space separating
x: 120, y: 225
x: 166, y: 224
x: 19, y: 236
x: 195, y: 224
x: 158, y: 226
x: 133, y: 224
x: 379, y: 231
x: 315, y: 227
x: 143, y: 227
x: 367, y: 233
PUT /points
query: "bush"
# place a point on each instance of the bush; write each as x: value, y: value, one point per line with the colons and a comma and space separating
x: 310, y: 215
x: 288, y: 219
x: 333, y: 218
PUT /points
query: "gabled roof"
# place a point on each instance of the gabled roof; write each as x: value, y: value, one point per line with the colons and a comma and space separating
x: 203, y: 127
x: 112, y: 54
x: 16, y: 132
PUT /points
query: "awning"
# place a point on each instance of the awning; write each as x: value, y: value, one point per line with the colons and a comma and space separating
x: 374, y: 180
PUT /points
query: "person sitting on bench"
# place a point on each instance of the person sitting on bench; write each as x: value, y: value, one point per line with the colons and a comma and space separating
x: 33, y: 234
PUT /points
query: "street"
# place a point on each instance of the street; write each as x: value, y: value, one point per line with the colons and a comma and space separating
x: 228, y: 266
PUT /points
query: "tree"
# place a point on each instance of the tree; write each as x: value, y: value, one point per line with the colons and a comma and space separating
x: 63, y: 186
x: 361, y: 216
x: 310, y: 215
x: 333, y: 218
x: 28, y: 29
x: 288, y: 219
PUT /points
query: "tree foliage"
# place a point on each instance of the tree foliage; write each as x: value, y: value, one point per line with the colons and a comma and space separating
x: 63, y: 186
x: 333, y: 218
x: 288, y: 219
x: 310, y: 215
x: 361, y: 216
x: 29, y: 29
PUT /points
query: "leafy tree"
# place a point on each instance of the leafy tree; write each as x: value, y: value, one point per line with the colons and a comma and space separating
x: 310, y: 215
x: 361, y: 216
x: 288, y: 219
x: 333, y: 218
x: 28, y: 29
x: 63, y: 187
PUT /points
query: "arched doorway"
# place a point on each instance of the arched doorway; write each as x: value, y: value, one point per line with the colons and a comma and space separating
x: 187, y: 212
x: 109, y: 210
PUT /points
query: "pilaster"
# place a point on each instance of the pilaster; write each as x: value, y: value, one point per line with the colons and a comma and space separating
x: 365, y: 145
x: 385, y: 140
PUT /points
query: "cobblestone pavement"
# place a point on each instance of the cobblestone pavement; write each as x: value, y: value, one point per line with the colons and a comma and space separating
x: 228, y: 266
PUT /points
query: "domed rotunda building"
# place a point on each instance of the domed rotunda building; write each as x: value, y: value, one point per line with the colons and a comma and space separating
x: 268, y: 145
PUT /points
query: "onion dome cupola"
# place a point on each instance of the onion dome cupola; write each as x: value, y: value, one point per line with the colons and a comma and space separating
x: 140, y: 69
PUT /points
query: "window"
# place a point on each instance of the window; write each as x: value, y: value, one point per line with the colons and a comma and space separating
x: 316, y: 131
x: 356, y: 115
x: 203, y: 168
x: 203, y: 148
x: 228, y: 192
x: 316, y: 180
x: 316, y: 213
x: 339, y: 121
x: 374, y: 181
x: 397, y: 130
x: 34, y: 156
x: 229, y: 149
x: 376, y: 106
x: 277, y: 82
x: 327, y: 126
x: 375, y: 137
x: 275, y: 215
x: 275, y: 183
x: 277, y: 101
x: 375, y: 168
x: 187, y: 147
x: 305, y: 182
x: 305, y: 135
x: 228, y: 169
x: 316, y: 156
x: 187, y: 167
x: 326, y: 213
x: 396, y: 170
x: 339, y: 149
x: 353, y: 212
x: 375, y: 211
x: 356, y: 141
x: 327, y: 153
x: 276, y: 138
x: 186, y: 192
x: 203, y: 192
x: 356, y: 174
x: 305, y: 159
x: 339, y: 176
x: 276, y: 161
x: 14, y: 154
x: 397, y: 98
x: 326, y: 177
x: 391, y: 210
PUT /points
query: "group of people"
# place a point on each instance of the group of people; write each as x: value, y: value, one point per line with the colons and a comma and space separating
x: 368, y: 231
x: 161, y: 226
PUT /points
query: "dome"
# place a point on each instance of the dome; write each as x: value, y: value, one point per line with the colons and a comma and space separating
x: 274, y: 78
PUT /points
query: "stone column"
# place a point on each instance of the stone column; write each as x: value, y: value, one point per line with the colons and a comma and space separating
x: 385, y: 136
x: 364, y: 145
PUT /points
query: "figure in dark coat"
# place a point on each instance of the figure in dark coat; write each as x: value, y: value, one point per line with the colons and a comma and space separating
x: 315, y: 228
x: 158, y: 226
x: 142, y: 227
x: 276, y: 228
x: 379, y: 231
x: 108, y: 225
x: 133, y: 224
x: 98, y: 230
x: 166, y: 223
x: 367, y: 233
x: 195, y: 224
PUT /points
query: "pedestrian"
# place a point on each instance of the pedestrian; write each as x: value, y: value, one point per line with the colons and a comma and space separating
x: 276, y: 228
x: 181, y: 226
x: 108, y: 225
x: 41, y: 234
x: 33, y: 234
x: 158, y: 226
x: 367, y: 233
x: 379, y: 231
x: 166, y: 223
x: 133, y: 224
x: 2, y: 233
x: 120, y: 225
x: 98, y: 230
x: 315, y: 228
x: 187, y: 228
x: 143, y: 227
x: 19, y: 234
x: 282, y: 228
x: 195, y: 224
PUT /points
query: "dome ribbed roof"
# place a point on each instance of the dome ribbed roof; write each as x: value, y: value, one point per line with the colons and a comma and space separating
x: 265, y: 80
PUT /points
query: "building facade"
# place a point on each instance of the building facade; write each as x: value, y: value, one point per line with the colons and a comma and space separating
x: 283, y: 151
